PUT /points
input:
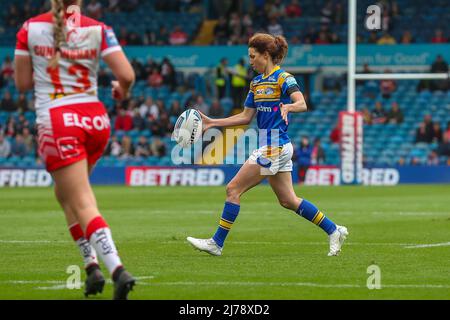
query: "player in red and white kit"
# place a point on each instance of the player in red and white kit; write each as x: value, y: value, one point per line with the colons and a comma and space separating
x: 57, y: 54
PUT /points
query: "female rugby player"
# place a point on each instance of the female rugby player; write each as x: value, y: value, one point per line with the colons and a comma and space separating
x: 273, y: 96
x: 57, y: 54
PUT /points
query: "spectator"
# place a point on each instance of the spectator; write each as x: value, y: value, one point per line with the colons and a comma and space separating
x: 421, y: 134
x: 274, y: 27
x: 235, y: 25
x: 386, y: 38
x: 293, y: 10
x: 318, y: 153
x: 395, y: 115
x: 221, y: 32
x: 124, y: 121
x: 239, y: 83
x: 14, y: 16
x: 166, y: 126
x: 444, y: 147
x: 138, y: 120
x: 304, y: 154
x: 447, y: 131
x: 168, y: 74
x: 104, y: 80
x: 158, y: 148
x: 155, y: 80
x: 327, y: 13
x: 407, y: 37
x: 338, y: 14
x: 5, y: 147
x: 22, y: 103
x: 18, y: 147
x: 334, y: 38
x: 113, y: 6
x: 378, y: 114
x: 175, y: 109
x: 387, y: 86
x: 202, y: 105
x: 178, y: 37
x: 335, y: 134
x: 10, y: 128
x: 373, y: 38
x: 123, y: 36
x: 277, y: 9
x: 438, y: 37
x: 323, y: 38
x: 114, y: 147
x: 428, y: 125
x: 28, y: 140
x: 7, y: 103
x: 222, y: 77
x: 127, y: 148
x: 134, y: 39
x: 439, y: 66
x: 153, y: 125
x: 94, y: 9
x: 433, y: 158
x: 437, y: 135
x: 145, y: 107
x: 142, y: 148
x: 162, y: 37
x: 216, y: 110
x: 149, y: 38
x: 367, y: 116
x: 7, y: 70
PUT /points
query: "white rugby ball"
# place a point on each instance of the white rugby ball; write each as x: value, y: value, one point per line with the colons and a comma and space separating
x: 188, y: 128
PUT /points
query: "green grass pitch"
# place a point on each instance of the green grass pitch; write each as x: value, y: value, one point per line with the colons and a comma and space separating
x: 271, y: 253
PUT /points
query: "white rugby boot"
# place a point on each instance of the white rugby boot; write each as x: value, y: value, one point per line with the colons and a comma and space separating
x: 207, y: 245
x: 337, y: 239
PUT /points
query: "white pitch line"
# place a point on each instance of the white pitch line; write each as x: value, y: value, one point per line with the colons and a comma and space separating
x: 32, y: 241
x: 443, y: 244
x: 308, y: 243
x: 297, y: 284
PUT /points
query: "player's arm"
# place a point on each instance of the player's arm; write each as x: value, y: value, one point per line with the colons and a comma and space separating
x: 122, y: 71
x: 23, y: 75
x: 290, y: 87
x: 243, y: 118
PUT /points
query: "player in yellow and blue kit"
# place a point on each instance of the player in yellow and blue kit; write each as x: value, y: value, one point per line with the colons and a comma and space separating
x: 273, y: 95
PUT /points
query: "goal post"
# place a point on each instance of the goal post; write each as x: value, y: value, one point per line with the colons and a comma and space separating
x: 350, y: 121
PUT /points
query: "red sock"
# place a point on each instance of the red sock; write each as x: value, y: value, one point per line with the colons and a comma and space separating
x: 76, y: 231
x: 87, y: 251
x: 95, y: 224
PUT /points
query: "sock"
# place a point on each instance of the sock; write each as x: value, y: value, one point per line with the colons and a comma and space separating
x: 229, y: 214
x: 87, y: 251
x: 310, y: 212
x: 99, y: 236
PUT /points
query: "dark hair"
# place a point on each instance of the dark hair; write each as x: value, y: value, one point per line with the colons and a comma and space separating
x: 276, y: 46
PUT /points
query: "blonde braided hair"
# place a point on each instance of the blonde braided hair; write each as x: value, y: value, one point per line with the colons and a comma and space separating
x: 59, y: 30
x: 59, y: 34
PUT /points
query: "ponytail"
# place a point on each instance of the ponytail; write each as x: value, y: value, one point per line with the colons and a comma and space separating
x: 282, y: 46
x: 276, y: 46
x: 59, y: 34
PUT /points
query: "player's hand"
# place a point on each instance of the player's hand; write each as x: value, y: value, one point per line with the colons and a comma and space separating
x: 285, y: 109
x: 117, y: 91
x: 207, y: 122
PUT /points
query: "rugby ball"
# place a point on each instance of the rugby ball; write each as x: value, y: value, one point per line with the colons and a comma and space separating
x: 188, y: 128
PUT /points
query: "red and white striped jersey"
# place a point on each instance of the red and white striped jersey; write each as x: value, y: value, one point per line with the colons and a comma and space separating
x: 75, y: 79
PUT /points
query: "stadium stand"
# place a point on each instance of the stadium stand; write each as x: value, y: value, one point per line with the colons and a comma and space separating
x: 159, y: 95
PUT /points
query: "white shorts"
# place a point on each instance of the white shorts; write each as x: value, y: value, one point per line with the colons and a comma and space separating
x: 273, y: 159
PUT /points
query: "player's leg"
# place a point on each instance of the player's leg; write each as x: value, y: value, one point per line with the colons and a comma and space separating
x: 281, y: 184
x: 95, y: 281
x: 77, y: 194
x: 248, y: 176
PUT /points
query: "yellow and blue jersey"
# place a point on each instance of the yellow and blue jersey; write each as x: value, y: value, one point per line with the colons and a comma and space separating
x: 266, y: 94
